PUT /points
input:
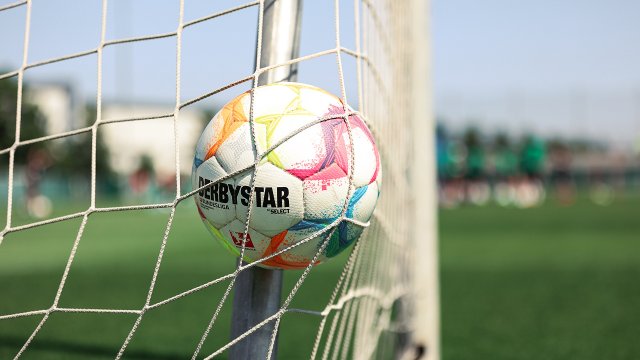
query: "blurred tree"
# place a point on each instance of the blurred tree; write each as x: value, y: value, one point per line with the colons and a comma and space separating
x: 68, y: 157
x: 146, y: 164
x: 33, y: 122
x: 472, y: 138
x: 501, y: 141
x: 75, y: 157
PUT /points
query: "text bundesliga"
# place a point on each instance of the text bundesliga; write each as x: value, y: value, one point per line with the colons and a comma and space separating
x: 265, y: 196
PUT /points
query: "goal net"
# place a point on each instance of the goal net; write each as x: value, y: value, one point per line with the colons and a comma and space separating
x: 100, y: 255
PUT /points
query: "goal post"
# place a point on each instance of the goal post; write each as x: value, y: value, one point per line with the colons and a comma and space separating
x: 426, y: 319
x: 257, y: 291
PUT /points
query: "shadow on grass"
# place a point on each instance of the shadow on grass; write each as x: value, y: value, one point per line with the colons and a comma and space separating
x: 62, y: 348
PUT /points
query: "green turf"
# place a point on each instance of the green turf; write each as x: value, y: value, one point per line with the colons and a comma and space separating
x: 113, y: 268
x: 543, y: 283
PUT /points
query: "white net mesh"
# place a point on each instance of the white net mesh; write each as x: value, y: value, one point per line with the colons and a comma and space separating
x: 369, y: 307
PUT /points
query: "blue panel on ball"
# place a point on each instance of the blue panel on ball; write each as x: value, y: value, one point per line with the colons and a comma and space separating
x: 357, y: 195
x: 308, y: 224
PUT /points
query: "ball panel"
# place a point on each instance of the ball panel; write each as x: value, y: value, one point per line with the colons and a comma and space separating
x: 212, y: 168
x: 230, y: 117
x: 345, y: 235
x: 206, y: 141
x: 325, y: 193
x: 304, y: 253
x: 366, y: 156
x: 273, y: 99
x: 255, y: 245
x: 363, y: 202
x: 361, y: 206
x: 236, y: 152
x: 213, y: 203
x: 303, y: 154
x: 296, y: 258
x: 317, y: 100
x: 277, y: 201
x: 222, y: 240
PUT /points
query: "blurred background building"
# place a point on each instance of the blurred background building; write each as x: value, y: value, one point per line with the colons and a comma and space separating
x: 532, y: 104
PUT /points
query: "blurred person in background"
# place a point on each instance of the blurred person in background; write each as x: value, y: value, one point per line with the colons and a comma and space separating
x: 443, y: 160
x: 561, y: 179
x: 477, y: 188
x: 449, y: 155
x: 505, y: 161
x: 530, y: 190
x: 600, y: 190
x: 38, y: 205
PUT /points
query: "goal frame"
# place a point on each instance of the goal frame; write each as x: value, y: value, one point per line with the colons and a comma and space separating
x: 257, y: 291
x: 260, y: 289
x: 426, y: 302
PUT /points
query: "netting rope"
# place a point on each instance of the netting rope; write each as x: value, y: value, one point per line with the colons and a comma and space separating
x: 368, y: 287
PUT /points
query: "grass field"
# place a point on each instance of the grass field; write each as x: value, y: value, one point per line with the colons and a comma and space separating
x: 544, y: 283
x: 113, y: 269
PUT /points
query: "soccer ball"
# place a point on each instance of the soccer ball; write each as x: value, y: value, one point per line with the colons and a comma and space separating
x: 301, y: 184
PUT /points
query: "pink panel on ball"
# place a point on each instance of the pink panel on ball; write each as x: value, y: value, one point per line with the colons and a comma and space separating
x: 341, y: 150
x: 330, y: 173
x: 336, y: 147
x: 321, y: 162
